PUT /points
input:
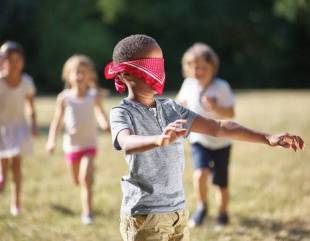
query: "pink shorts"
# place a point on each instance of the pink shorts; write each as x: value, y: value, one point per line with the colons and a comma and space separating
x: 74, y: 157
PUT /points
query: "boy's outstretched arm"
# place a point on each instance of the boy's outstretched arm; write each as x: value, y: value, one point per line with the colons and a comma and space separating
x: 232, y: 130
x: 134, y: 143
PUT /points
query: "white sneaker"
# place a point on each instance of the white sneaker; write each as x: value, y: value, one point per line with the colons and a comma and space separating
x: 87, y: 219
x: 15, y: 211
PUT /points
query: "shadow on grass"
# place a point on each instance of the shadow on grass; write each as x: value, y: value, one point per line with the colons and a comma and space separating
x: 101, y: 213
x: 68, y: 212
x: 293, y: 230
x: 61, y: 209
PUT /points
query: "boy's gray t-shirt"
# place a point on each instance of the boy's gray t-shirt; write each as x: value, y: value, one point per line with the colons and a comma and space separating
x: 154, y: 183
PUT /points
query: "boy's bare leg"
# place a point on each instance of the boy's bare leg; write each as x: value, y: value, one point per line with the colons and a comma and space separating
x: 223, y: 199
x: 201, y: 191
x: 201, y: 185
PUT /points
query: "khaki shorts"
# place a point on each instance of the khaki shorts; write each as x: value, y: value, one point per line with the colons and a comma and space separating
x: 155, y: 226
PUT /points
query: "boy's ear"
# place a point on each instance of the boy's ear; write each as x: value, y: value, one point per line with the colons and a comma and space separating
x: 122, y: 77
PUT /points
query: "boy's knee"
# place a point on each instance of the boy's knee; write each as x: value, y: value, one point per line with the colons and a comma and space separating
x: 201, y: 174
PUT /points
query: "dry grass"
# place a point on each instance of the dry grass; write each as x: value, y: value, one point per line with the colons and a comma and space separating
x: 270, y: 188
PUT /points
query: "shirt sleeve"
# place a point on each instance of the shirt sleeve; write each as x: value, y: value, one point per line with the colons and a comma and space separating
x: 119, y: 120
x: 186, y: 114
x: 226, y: 97
x: 30, y: 87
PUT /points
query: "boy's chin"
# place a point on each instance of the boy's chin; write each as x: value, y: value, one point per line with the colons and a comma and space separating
x: 154, y: 92
x: 150, y: 90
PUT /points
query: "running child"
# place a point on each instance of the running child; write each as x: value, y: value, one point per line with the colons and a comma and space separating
x: 78, y: 106
x: 150, y: 132
x: 16, y: 94
x: 210, y: 97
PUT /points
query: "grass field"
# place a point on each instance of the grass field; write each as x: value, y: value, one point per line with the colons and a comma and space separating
x: 270, y: 187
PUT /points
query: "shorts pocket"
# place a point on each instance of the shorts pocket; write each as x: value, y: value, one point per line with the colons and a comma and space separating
x: 130, y: 227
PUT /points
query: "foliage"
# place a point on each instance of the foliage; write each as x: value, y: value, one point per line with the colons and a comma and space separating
x: 289, y: 9
x: 261, y: 43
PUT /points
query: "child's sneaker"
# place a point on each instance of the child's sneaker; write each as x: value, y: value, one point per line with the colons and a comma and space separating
x: 15, y: 210
x: 198, y: 217
x: 87, y: 219
x: 223, y: 219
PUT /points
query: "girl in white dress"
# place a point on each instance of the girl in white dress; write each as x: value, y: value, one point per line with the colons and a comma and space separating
x: 78, y: 105
x: 16, y: 93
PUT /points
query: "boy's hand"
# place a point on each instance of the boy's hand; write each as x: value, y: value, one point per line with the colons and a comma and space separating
x: 50, y: 147
x: 172, y: 132
x: 286, y: 140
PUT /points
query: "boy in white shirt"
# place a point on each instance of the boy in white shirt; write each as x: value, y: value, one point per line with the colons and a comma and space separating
x: 210, y: 97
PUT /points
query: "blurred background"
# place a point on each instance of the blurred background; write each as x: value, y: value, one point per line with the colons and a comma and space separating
x: 261, y: 43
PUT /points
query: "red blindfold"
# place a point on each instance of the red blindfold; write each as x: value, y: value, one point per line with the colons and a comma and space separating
x: 150, y: 70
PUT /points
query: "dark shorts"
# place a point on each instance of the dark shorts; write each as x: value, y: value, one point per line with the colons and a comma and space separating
x: 216, y: 161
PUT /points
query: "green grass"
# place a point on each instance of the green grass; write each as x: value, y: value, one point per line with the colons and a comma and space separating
x: 270, y: 187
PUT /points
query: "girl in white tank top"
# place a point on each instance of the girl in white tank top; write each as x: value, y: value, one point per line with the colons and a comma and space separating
x: 79, y: 120
x: 78, y: 106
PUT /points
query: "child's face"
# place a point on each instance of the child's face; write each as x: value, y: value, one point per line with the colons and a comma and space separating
x: 202, y: 71
x: 80, y: 76
x: 13, y: 64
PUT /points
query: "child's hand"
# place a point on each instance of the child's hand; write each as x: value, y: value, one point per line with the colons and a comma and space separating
x: 286, y: 140
x: 50, y: 147
x: 172, y: 132
x: 209, y: 103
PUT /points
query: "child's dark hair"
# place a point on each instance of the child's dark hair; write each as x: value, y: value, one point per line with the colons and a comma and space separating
x: 133, y: 47
x: 10, y: 47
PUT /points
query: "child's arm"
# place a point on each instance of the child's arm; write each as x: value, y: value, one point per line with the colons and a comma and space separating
x: 211, y: 104
x: 101, y: 115
x: 32, y: 113
x: 233, y: 130
x: 133, y: 143
x: 55, y: 124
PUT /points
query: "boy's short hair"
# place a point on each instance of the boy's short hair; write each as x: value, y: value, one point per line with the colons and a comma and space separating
x: 200, y: 50
x: 132, y: 47
x: 10, y: 47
